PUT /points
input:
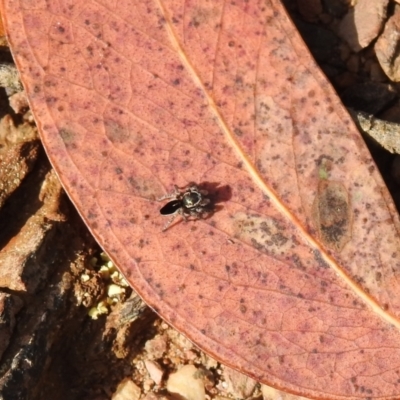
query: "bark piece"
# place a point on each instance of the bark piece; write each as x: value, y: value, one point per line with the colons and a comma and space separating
x: 10, y: 305
x: 387, y: 47
x: 23, y: 266
x: 387, y: 134
x: 19, y: 150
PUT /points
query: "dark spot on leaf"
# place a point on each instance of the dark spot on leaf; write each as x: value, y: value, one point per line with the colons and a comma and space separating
x: 278, y: 239
x: 297, y: 262
x: 332, y: 214
x: 116, y: 132
x: 51, y: 99
x: 238, y: 132
x: 67, y: 136
x: 91, y: 215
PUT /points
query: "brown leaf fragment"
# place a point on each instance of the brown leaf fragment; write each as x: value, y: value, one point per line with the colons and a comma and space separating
x: 332, y: 214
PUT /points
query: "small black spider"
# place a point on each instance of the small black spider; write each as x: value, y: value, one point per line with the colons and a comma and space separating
x: 187, y: 202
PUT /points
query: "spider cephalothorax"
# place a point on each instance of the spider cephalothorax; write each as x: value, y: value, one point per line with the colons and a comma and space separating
x: 187, y: 202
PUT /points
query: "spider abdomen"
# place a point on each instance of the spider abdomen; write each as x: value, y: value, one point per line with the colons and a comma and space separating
x: 171, y: 207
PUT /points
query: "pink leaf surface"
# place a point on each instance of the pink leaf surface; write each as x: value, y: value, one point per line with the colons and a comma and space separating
x: 294, y: 279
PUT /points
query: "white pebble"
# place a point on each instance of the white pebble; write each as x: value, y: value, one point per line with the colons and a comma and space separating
x: 127, y: 390
x: 188, y: 383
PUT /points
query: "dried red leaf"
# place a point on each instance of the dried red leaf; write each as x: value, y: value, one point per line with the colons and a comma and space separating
x: 294, y: 279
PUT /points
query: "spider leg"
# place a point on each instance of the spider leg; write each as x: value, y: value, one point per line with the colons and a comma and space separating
x: 172, y: 195
x: 194, y: 214
x: 166, y: 196
x: 173, y: 216
x: 183, y: 214
x: 169, y: 222
x: 195, y: 188
x: 204, y: 202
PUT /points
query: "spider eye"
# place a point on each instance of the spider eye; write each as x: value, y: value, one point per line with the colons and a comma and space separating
x: 171, y: 207
x: 191, y: 199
